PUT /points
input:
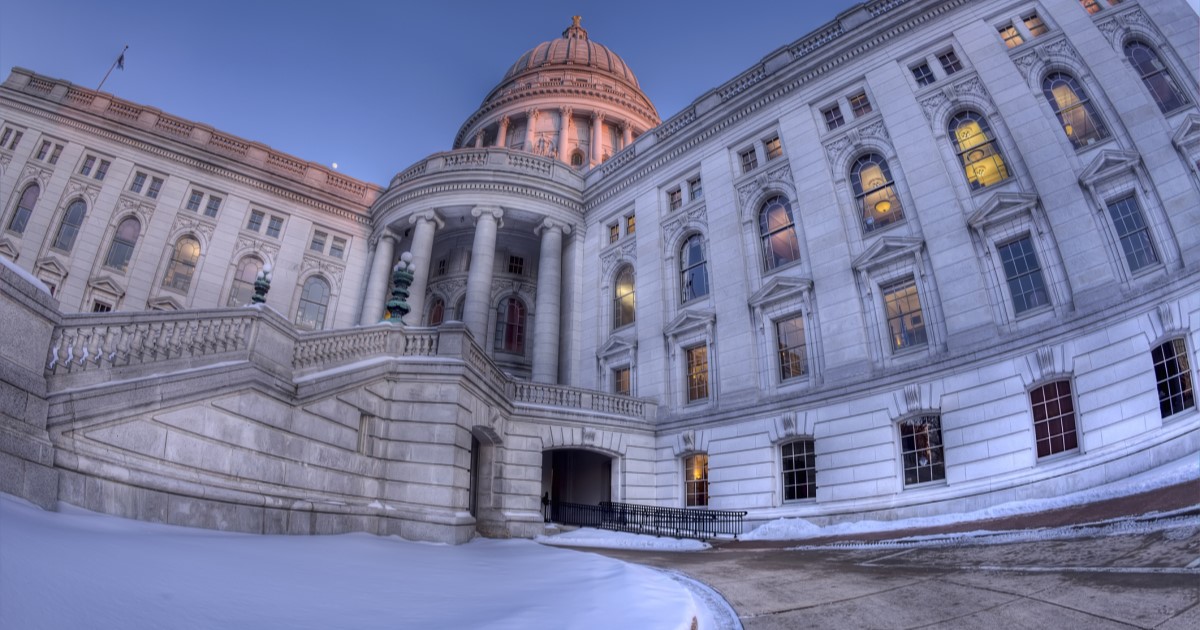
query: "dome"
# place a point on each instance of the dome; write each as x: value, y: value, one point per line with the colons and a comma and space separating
x: 572, y: 49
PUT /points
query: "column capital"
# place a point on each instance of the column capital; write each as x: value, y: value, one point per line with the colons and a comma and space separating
x: 532, y: 113
x: 598, y: 116
x: 378, y: 236
x: 427, y: 215
x: 551, y: 224
x: 566, y: 112
x: 496, y: 212
x: 505, y: 121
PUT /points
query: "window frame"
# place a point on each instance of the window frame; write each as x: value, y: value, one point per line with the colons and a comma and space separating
x: 617, y: 299
x: 862, y: 195
x: 1083, y: 102
x: 174, y: 264
x: 695, y: 486
x: 936, y: 470
x: 891, y: 287
x: 1076, y: 445
x: 809, y: 470
x: 988, y: 150
x: 57, y: 244
x: 697, y: 390
x: 511, y: 336
x: 303, y: 299
x: 28, y: 210
x: 239, y: 286
x: 770, y: 261
x: 1183, y: 377
x: 1028, y: 311
x: 130, y: 247
x: 1164, y: 70
x: 688, y: 266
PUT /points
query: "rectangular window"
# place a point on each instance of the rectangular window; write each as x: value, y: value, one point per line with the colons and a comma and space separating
x: 799, y: 470
x: 5, y: 136
x: 43, y: 150
x: 1012, y: 38
x: 337, y: 248
x: 155, y: 186
x: 1054, y: 418
x: 921, y: 450
x: 923, y: 74
x: 614, y: 232
x: 1024, y: 275
x: 102, y: 170
x: 318, y: 242
x: 139, y: 180
x: 1173, y: 372
x: 950, y: 62
x: 630, y: 224
x: 860, y: 105
x: 773, y: 148
x: 1134, y: 235
x: 516, y: 265
x: 749, y: 160
x: 1091, y: 6
x: 695, y: 484
x: 833, y: 117
x: 274, y: 226
x: 621, y: 381
x: 793, y: 354
x: 441, y: 267
x: 674, y: 199
x: 55, y: 153
x: 906, y: 324
x: 15, y: 141
x: 101, y: 307
x: 695, y: 189
x: 194, y: 200
x: 697, y: 373
x: 88, y: 163
x: 214, y: 205
x: 1036, y: 26
x: 256, y: 220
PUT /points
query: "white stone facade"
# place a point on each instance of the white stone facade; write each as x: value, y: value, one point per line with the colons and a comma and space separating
x: 900, y: 267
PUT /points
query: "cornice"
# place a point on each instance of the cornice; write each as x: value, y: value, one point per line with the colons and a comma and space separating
x: 391, y: 201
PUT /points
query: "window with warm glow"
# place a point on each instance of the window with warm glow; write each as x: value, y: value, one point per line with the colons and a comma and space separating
x: 773, y: 148
x: 1074, y: 111
x: 622, y: 383
x: 793, y: 350
x: 697, y: 373
x: 624, y: 306
x: 981, y: 159
x: 778, y: 233
x: 1012, y: 37
x: 921, y: 450
x: 695, y: 484
x: 875, y: 192
x: 183, y: 265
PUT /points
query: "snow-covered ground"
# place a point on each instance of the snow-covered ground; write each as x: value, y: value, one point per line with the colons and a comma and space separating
x: 588, y: 537
x: 79, y: 569
x: 799, y: 529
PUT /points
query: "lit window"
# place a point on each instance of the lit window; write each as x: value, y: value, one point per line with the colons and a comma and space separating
x: 194, y: 200
x: 695, y: 189
x: 624, y: 304
x: 778, y: 233
x: 25, y: 206
x: 749, y: 160
x: 89, y: 163
x: 102, y: 170
x: 833, y: 117
x: 69, y: 228
x: 155, y: 187
x: 923, y: 74
x: 242, y: 290
x: 124, y: 240
x: 1155, y: 76
x: 337, y: 248
x: 314, y: 300
x: 516, y: 265
x: 1024, y: 275
x: 695, y: 484
x: 1075, y: 112
x: 1173, y: 372
x: 773, y: 148
x: 860, y: 105
x: 1054, y: 418
x: 214, y: 205
x: 1036, y: 26
x: 256, y: 220
x: 875, y: 192
x: 437, y: 312
x: 622, y: 384
x: 693, y: 269
x: 317, y: 244
x: 614, y: 233
x: 976, y: 147
x: 183, y: 265
x: 921, y: 450
x: 1094, y: 6
x: 1133, y: 233
x: 674, y: 199
x: 510, y: 326
x: 799, y: 470
x: 630, y: 224
x: 697, y: 373
x: 101, y: 307
x: 950, y: 62
x: 139, y: 180
x: 793, y: 353
x: 906, y: 324
x: 274, y: 226
x: 1012, y: 38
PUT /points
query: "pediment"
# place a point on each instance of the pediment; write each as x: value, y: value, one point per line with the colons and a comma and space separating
x: 1188, y: 132
x: 1001, y: 207
x: 1108, y: 164
x: 164, y: 303
x: 616, y: 345
x: 50, y: 266
x: 9, y: 249
x: 107, y: 285
x: 688, y: 321
x: 781, y: 289
x: 887, y: 250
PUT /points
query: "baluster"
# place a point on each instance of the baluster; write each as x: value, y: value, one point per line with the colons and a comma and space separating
x: 52, y: 366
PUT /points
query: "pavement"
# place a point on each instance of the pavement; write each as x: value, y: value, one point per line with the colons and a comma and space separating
x: 1129, y: 562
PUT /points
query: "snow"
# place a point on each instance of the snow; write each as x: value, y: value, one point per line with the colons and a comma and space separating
x: 78, y: 569
x: 25, y: 275
x: 602, y: 538
x: 798, y: 529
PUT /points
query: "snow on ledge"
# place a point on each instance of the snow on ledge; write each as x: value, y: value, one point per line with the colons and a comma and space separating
x: 25, y: 275
x: 605, y: 539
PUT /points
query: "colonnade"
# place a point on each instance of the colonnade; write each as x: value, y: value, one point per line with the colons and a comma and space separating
x: 564, y: 114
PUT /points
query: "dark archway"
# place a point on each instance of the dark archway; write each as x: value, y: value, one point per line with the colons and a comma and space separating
x: 577, y: 476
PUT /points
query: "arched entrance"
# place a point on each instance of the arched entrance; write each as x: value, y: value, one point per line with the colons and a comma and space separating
x: 577, y: 476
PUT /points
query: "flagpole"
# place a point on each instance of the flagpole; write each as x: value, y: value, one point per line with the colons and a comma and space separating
x: 114, y: 65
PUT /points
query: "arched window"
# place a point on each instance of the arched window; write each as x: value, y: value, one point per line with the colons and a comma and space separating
x: 875, y: 192
x: 1075, y: 112
x: 510, y: 326
x: 69, y: 228
x: 577, y: 159
x: 437, y: 312
x: 459, y: 308
x: 778, y: 233
x: 976, y: 147
x: 624, y: 310
x: 314, y: 299
x: 20, y: 218
x: 183, y: 265
x: 1156, y: 76
x: 121, y: 249
x: 693, y: 269
x: 243, y: 281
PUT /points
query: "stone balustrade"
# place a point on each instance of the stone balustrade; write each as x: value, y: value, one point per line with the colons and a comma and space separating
x: 490, y: 158
x: 575, y: 398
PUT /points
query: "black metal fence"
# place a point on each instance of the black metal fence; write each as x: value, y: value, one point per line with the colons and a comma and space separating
x: 649, y: 519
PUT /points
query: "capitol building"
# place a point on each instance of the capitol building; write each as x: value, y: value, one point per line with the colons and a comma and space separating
x: 935, y: 256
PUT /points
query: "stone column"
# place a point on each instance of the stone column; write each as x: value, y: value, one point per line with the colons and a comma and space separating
x: 479, y: 139
x: 479, y: 279
x: 531, y: 117
x: 564, y: 125
x: 547, y: 310
x: 422, y: 251
x: 377, y: 282
x: 502, y: 134
x: 626, y: 135
x: 597, y: 137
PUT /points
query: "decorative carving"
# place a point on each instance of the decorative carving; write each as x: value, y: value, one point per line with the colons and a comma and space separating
x: 1045, y: 359
x: 749, y: 190
x: 184, y: 223
x: 33, y: 171
x: 912, y: 396
x: 246, y: 244
x: 838, y: 149
x: 83, y: 189
x: 626, y: 252
x: 695, y: 215
x: 330, y: 270
x: 132, y: 205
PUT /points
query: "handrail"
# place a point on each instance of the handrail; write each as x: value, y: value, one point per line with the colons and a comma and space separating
x: 636, y: 518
